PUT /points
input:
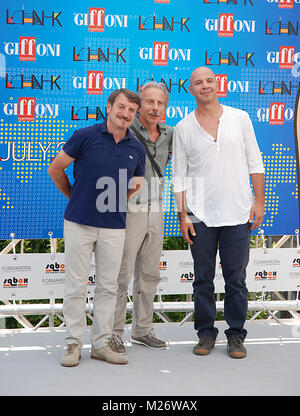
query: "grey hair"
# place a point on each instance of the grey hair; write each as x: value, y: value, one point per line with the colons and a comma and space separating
x: 155, y: 84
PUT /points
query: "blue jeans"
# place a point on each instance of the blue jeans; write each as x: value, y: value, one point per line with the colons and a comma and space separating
x: 234, y: 244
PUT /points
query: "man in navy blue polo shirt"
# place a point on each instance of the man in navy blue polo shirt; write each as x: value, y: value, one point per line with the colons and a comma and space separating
x: 109, y: 165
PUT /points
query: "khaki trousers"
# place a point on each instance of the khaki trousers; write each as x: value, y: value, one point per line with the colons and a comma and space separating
x: 80, y: 242
x: 141, y: 256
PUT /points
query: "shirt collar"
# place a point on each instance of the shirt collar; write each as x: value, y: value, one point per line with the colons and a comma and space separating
x: 161, y: 127
x: 103, y: 129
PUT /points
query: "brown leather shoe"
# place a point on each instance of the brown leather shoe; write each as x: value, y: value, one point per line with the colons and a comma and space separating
x: 235, y: 347
x: 204, y: 346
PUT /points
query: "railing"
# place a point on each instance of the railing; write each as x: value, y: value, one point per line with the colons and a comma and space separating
x: 273, y: 279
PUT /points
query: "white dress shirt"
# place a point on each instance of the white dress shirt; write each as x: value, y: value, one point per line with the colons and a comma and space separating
x: 215, y: 173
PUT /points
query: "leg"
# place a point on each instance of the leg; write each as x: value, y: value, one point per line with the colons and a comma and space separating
x: 79, y: 243
x: 136, y: 228
x: 147, y: 276
x: 234, y: 255
x: 108, y: 256
x: 204, y: 251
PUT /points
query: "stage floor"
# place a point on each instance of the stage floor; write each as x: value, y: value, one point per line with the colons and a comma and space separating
x: 30, y: 365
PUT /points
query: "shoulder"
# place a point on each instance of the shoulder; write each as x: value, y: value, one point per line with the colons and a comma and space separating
x: 235, y: 112
x: 186, y: 122
x: 168, y: 129
x: 137, y: 144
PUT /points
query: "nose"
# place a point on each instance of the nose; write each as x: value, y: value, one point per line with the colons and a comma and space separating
x: 126, y: 112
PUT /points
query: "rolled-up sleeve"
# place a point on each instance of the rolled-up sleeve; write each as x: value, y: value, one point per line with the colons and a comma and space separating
x: 179, y: 162
x: 254, y: 159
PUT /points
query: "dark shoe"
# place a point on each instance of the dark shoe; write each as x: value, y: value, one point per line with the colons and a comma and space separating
x: 204, y: 346
x: 149, y: 341
x: 235, y: 348
x: 116, y: 344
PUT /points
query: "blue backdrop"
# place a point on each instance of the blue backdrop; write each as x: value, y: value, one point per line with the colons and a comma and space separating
x: 59, y: 64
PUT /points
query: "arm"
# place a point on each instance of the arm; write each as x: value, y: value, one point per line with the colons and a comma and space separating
x: 56, y: 172
x: 135, y: 185
x: 256, y: 171
x: 258, y: 208
x: 179, y: 180
x: 186, y: 225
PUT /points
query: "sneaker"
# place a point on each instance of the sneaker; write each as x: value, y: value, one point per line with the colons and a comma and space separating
x: 106, y: 353
x: 204, y: 346
x: 235, y: 347
x: 116, y: 344
x: 149, y: 341
x: 71, y: 356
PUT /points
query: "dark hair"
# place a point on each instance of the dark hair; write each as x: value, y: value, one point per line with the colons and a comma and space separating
x: 130, y: 95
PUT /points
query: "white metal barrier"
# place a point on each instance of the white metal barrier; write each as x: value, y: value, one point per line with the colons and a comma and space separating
x: 41, y: 276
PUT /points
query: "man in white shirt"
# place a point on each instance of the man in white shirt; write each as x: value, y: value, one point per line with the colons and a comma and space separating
x: 214, y: 152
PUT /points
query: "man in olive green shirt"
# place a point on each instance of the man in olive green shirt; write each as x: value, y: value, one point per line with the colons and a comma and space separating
x: 145, y: 223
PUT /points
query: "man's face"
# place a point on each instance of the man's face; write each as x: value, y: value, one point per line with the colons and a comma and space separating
x: 153, y: 105
x: 121, y: 114
x: 203, y: 86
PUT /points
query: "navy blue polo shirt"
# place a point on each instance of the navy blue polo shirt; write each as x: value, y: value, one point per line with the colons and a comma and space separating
x: 102, y: 170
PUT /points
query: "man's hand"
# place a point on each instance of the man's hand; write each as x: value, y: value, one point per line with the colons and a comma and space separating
x: 186, y: 227
x: 257, y: 214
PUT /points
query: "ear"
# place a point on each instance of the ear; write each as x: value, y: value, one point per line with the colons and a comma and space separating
x: 108, y: 107
x: 191, y: 90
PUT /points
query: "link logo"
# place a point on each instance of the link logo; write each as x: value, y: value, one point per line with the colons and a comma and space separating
x: 31, y: 81
x: 282, y: 28
x: 99, y: 54
x: 169, y: 84
x: 20, y: 17
x: 277, y: 87
x: 228, y: 58
x: 154, y: 23
x: 86, y: 113
x: 96, y: 20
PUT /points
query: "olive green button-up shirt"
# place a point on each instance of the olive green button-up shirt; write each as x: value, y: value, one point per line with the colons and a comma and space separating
x: 161, y: 151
